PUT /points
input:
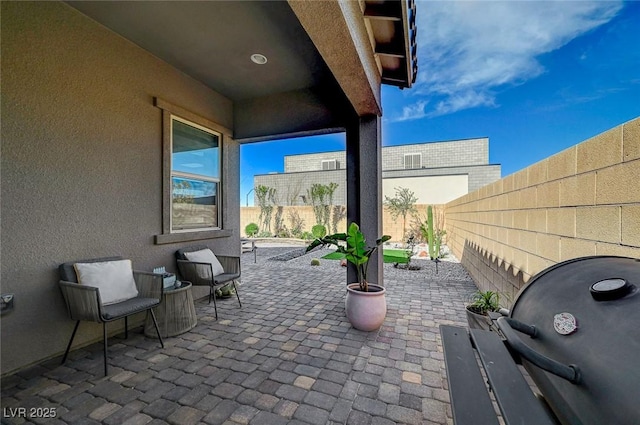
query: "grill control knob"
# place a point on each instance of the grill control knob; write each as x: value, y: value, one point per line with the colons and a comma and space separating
x: 610, y: 289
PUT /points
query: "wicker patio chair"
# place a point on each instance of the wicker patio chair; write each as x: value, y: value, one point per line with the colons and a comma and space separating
x: 202, y: 273
x: 84, y: 302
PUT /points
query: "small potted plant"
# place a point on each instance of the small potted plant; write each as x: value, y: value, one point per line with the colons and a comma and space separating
x: 482, y: 302
x: 365, y: 304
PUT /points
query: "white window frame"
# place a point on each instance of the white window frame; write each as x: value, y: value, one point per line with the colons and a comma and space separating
x: 413, y: 157
x: 167, y: 236
x: 216, y: 180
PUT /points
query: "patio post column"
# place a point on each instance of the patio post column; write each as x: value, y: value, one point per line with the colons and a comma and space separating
x: 364, y: 187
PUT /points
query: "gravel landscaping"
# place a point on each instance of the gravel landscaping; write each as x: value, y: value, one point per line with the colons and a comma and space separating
x: 448, y: 269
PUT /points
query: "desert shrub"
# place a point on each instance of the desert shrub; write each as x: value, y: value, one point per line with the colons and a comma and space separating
x: 284, y: 233
x: 339, y: 212
x: 278, y: 225
x: 319, y: 231
x: 251, y: 229
x: 296, y: 222
x: 266, y: 200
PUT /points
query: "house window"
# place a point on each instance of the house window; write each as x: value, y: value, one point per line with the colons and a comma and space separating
x: 329, y: 164
x: 195, y: 176
x: 412, y: 160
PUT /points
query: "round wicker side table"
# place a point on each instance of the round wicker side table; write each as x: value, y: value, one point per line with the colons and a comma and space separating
x: 175, y: 315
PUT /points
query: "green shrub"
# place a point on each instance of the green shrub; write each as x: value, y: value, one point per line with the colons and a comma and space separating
x: 251, y: 229
x: 264, y: 234
x: 306, y: 236
x: 319, y: 231
x: 485, y: 301
x: 315, y: 262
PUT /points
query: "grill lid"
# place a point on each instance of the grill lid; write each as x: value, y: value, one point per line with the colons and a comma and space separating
x: 586, y: 314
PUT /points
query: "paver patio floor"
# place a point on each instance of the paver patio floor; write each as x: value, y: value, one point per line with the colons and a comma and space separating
x: 288, y: 356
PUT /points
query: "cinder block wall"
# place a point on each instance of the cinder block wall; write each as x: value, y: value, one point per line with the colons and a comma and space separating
x: 582, y: 201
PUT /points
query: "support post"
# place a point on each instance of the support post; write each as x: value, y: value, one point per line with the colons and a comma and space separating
x: 364, y: 188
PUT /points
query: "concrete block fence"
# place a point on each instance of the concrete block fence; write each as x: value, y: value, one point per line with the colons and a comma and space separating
x: 582, y: 201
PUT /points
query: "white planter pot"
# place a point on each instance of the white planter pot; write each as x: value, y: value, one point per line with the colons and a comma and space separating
x: 366, y: 310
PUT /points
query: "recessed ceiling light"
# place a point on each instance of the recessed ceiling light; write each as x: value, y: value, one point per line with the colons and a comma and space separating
x: 258, y: 58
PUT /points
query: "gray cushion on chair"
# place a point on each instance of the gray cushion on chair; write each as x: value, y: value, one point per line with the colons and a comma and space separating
x: 180, y: 253
x: 125, y: 308
x: 68, y: 272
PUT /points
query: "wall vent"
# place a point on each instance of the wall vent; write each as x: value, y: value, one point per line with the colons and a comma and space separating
x: 412, y: 160
x: 329, y: 164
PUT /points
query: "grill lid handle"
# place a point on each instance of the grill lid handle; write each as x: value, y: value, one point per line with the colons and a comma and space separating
x: 569, y: 372
x: 610, y: 289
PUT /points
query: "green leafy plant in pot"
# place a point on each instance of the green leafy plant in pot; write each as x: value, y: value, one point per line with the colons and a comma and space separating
x: 482, y: 302
x: 365, y: 303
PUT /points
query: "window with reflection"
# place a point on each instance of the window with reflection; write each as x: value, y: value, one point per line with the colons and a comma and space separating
x: 195, y: 176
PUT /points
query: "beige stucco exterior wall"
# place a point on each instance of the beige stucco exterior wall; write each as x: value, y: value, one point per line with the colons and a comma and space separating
x: 252, y: 215
x: 434, y: 189
x: 582, y: 201
x: 82, y: 165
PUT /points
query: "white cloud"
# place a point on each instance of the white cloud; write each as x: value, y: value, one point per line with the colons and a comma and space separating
x: 413, y: 112
x: 467, y: 50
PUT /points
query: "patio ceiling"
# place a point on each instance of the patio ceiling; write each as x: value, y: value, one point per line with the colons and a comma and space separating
x: 312, y: 76
x: 212, y: 41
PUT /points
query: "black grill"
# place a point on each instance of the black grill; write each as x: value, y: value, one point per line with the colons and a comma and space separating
x: 599, y: 294
x: 576, y: 330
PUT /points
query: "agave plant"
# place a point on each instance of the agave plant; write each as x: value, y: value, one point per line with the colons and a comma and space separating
x: 354, y: 247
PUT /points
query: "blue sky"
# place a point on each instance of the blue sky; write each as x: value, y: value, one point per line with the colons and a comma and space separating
x: 535, y: 77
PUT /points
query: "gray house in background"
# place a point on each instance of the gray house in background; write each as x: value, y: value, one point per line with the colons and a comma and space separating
x: 435, y: 172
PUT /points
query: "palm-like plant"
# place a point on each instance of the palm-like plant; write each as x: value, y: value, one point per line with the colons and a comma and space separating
x: 354, y: 247
x: 485, y: 301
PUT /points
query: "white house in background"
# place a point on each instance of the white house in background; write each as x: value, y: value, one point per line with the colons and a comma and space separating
x: 436, y: 172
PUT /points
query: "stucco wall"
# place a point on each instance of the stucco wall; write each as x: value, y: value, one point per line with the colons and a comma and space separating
x: 390, y: 226
x: 582, y: 201
x: 82, y: 164
x: 435, y: 189
x: 252, y: 215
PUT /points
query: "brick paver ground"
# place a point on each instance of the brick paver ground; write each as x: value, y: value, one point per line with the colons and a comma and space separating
x: 287, y: 357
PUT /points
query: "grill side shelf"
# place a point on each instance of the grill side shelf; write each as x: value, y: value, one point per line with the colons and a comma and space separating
x: 470, y: 402
x: 517, y: 402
